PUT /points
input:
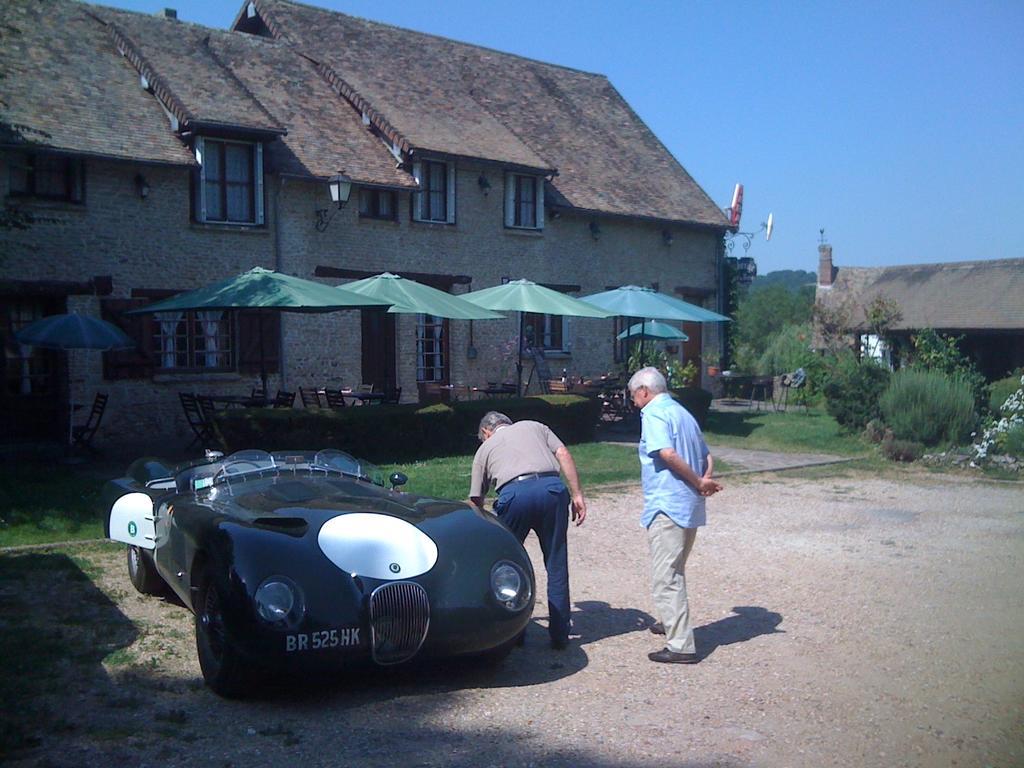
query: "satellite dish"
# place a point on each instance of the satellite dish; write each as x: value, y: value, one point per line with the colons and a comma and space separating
x: 769, y: 226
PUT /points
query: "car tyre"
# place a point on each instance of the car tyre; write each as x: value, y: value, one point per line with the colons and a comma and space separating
x: 224, y: 670
x: 142, y: 571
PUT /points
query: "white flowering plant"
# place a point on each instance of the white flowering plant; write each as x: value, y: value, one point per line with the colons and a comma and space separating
x: 1008, y: 428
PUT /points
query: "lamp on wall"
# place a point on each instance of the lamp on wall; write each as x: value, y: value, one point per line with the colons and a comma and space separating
x: 485, y: 185
x: 340, y: 187
x: 141, y: 186
x: 595, y: 230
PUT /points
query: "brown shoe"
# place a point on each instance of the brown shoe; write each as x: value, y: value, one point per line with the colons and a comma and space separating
x: 668, y: 656
x: 657, y: 628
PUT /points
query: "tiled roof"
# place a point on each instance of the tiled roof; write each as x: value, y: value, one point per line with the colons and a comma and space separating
x: 64, y: 86
x: 230, y: 78
x: 180, y: 58
x: 967, y: 295
x: 436, y: 95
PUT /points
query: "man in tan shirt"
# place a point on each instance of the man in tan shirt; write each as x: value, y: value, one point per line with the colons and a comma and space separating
x: 523, y: 460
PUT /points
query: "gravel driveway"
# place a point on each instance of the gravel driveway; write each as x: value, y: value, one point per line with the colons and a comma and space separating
x: 843, y: 621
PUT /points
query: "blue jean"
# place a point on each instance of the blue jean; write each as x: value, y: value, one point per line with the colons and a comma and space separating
x: 542, y: 505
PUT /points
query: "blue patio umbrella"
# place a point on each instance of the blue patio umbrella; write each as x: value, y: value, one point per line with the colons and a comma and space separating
x: 73, y: 331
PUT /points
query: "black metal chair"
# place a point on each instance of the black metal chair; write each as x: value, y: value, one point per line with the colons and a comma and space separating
x: 82, y: 435
x: 310, y: 397
x: 393, y: 396
x: 198, y: 420
x: 284, y: 399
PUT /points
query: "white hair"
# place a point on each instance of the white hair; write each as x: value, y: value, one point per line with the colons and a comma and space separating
x: 492, y: 420
x: 649, y: 377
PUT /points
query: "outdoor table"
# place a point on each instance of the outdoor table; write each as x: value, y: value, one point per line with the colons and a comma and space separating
x: 238, y: 401
x: 364, y: 398
x: 497, y: 391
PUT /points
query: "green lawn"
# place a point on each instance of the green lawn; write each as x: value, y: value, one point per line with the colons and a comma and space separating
x: 43, y: 503
x: 794, y: 431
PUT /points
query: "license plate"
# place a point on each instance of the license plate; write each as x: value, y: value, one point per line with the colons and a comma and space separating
x: 323, y: 639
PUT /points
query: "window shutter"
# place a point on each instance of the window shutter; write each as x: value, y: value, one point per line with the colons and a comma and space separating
x: 510, y: 200
x: 200, y: 154
x: 567, y: 333
x: 417, y: 197
x: 451, y: 193
x: 258, y: 176
x: 128, y: 363
x: 540, y: 201
x: 249, y: 341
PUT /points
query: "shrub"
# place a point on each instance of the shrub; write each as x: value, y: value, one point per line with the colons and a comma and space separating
x: 875, y: 431
x: 938, y: 352
x: 1005, y: 434
x: 929, y: 407
x: 902, y: 450
x: 1000, y: 391
x: 852, y: 392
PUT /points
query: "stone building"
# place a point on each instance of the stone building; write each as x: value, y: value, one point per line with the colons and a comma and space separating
x: 141, y: 156
x: 979, y: 302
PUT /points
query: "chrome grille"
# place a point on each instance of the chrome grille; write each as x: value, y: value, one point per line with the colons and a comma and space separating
x: 399, y: 617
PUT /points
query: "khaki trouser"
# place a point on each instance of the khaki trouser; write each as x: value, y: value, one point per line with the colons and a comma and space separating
x: 670, y: 546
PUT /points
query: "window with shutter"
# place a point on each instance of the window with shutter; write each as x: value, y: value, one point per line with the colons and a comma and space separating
x: 435, y: 200
x: 229, y: 188
x: 524, y: 201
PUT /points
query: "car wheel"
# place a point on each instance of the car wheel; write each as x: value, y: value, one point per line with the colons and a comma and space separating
x: 224, y: 670
x: 142, y: 572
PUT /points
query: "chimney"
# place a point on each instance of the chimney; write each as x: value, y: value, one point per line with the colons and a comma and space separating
x: 826, y: 272
x: 170, y: 13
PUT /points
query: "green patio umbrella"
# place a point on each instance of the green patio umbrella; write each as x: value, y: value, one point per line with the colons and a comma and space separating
x: 526, y: 296
x: 654, y: 330
x: 265, y: 290
x: 410, y: 297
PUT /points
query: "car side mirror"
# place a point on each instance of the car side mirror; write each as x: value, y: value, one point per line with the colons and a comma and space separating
x: 397, y: 479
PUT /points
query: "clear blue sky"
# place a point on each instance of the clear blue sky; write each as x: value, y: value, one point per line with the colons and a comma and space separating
x: 896, y: 126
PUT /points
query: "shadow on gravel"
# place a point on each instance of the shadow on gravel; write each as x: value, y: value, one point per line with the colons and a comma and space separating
x: 595, y: 620
x: 748, y: 622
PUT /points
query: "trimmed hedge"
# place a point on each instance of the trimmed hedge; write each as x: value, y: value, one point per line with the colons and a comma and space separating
x: 388, y: 434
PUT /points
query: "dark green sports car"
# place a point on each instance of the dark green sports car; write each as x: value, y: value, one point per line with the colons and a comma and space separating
x: 305, y: 561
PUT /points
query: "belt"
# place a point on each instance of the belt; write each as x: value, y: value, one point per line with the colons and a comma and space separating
x: 528, y: 476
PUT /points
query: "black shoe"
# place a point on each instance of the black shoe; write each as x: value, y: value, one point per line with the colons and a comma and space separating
x: 559, y: 643
x: 668, y: 656
x: 657, y: 628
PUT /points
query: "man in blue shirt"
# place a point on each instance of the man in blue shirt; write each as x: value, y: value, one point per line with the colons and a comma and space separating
x: 675, y: 473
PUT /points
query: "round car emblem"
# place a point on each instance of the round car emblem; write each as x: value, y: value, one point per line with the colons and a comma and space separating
x: 132, y: 528
x: 395, y: 567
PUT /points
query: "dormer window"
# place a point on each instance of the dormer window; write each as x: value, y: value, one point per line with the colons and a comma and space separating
x: 436, y: 199
x: 230, y: 186
x: 524, y: 201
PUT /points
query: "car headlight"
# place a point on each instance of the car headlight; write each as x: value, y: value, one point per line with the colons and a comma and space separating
x: 510, y: 585
x: 278, y: 601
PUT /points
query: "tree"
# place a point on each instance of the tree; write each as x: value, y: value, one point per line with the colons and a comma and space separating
x: 763, y: 313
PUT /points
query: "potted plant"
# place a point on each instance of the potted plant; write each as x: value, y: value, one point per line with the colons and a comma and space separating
x: 711, y: 360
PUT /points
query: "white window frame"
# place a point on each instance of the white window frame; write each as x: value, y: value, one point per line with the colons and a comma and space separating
x: 257, y: 174
x: 417, y: 197
x: 510, y: 201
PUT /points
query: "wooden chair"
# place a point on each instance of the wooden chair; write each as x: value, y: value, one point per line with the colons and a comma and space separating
x: 334, y: 397
x: 555, y: 387
x: 82, y: 435
x: 393, y: 396
x: 197, y: 420
x: 310, y: 397
x: 364, y: 388
x: 284, y: 399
